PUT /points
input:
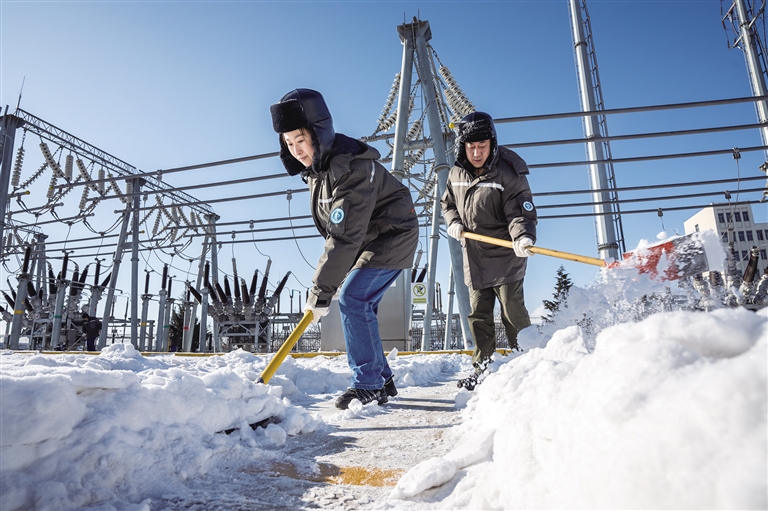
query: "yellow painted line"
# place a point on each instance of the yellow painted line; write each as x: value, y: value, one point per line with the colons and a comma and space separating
x: 329, y: 473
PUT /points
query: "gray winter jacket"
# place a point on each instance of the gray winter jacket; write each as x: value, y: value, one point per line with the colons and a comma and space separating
x: 499, y: 204
x: 365, y: 213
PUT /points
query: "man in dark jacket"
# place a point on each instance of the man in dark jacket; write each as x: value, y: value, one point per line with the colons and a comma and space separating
x: 370, y: 227
x: 488, y: 193
x: 91, y: 330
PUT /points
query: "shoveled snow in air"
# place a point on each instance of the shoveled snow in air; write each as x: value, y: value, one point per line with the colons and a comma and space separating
x: 615, y: 405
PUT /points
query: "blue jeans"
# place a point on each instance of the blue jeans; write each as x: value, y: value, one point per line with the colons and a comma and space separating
x: 359, y: 300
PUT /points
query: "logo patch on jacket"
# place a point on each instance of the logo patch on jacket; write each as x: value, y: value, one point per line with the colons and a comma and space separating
x: 337, y: 216
x: 528, y: 206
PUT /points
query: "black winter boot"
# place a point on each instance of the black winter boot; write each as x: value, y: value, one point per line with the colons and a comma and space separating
x: 477, y: 376
x: 362, y: 395
x: 389, y: 387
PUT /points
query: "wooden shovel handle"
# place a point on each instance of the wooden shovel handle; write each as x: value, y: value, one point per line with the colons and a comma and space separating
x: 537, y: 250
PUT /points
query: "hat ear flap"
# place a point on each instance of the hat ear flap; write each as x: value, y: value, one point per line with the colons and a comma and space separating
x: 288, y: 116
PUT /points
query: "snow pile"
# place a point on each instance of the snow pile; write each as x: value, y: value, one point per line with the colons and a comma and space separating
x: 79, y: 429
x: 121, y: 428
x: 669, y: 412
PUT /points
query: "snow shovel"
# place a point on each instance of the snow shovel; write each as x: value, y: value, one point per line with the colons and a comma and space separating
x: 683, y: 256
x: 286, y: 348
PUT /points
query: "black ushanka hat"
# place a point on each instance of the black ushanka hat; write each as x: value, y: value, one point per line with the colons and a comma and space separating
x: 475, y: 127
x: 304, y: 108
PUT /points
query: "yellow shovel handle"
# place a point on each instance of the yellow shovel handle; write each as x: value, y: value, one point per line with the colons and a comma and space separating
x: 286, y: 348
x: 536, y: 250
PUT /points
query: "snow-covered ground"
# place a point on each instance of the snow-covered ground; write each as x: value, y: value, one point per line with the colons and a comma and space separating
x: 628, y: 409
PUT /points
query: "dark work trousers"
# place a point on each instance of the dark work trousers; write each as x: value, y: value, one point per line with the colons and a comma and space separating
x: 514, y: 316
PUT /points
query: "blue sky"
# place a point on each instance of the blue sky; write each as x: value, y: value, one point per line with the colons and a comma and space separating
x: 170, y: 84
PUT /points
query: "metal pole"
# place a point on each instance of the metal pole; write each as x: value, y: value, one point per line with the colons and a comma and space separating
x: 756, y: 73
x: 607, y: 244
x: 58, y: 309
x: 8, y: 126
x: 186, y: 343
x: 113, y: 279
x: 161, y: 311
x: 18, y: 308
x: 135, y: 263
x: 145, y: 298
x: 449, y: 312
x: 421, y: 33
x: 214, y: 278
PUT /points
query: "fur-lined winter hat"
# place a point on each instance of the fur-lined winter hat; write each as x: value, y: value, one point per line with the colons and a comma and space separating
x: 304, y: 108
x: 475, y: 127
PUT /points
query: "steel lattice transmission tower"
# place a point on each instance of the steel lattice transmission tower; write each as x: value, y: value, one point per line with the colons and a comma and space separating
x: 440, y: 102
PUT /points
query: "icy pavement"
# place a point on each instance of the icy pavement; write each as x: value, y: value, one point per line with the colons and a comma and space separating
x: 351, y: 462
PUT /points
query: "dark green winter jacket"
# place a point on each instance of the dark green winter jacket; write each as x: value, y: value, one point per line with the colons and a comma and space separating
x: 364, y: 212
x: 499, y: 204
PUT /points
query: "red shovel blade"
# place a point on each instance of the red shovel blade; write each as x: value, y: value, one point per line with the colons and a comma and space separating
x: 671, y: 259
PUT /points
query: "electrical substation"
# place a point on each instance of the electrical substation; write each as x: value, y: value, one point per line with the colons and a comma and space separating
x: 70, y: 249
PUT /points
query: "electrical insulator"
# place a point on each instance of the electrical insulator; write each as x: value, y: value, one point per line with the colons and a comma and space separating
x: 84, y: 198
x: 68, y: 164
x: 34, y: 176
x: 113, y: 186
x: 9, y: 240
x: 415, y: 130
x: 17, y: 167
x: 49, y: 159
x: 82, y: 170
x: 173, y: 235
x: 157, y: 224
x: 386, y: 121
x: 100, y: 185
x: 51, y: 187
x: 128, y: 188
x: 174, y: 214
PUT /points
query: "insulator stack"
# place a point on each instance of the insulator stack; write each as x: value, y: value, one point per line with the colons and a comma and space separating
x: 35, y: 175
x: 113, y: 185
x: 49, y: 159
x: 17, y: 167
x: 162, y: 209
x: 51, y: 187
x: 100, y: 185
x: 128, y: 189
x: 458, y: 102
x: 69, y: 162
x: 84, y: 198
x: 173, y: 234
x: 82, y: 170
x: 414, y: 133
x: 183, y: 216
x: 175, y: 214
x: 416, y: 130
x: 386, y: 121
x: 9, y: 241
x: 157, y: 224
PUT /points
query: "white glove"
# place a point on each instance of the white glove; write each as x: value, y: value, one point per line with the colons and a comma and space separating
x: 317, y: 312
x: 455, y: 230
x: 521, y: 246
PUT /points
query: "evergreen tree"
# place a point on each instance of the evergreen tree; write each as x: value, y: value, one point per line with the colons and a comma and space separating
x: 562, y: 286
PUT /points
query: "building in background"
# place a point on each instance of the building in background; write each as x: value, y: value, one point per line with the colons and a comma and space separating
x: 734, y: 223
